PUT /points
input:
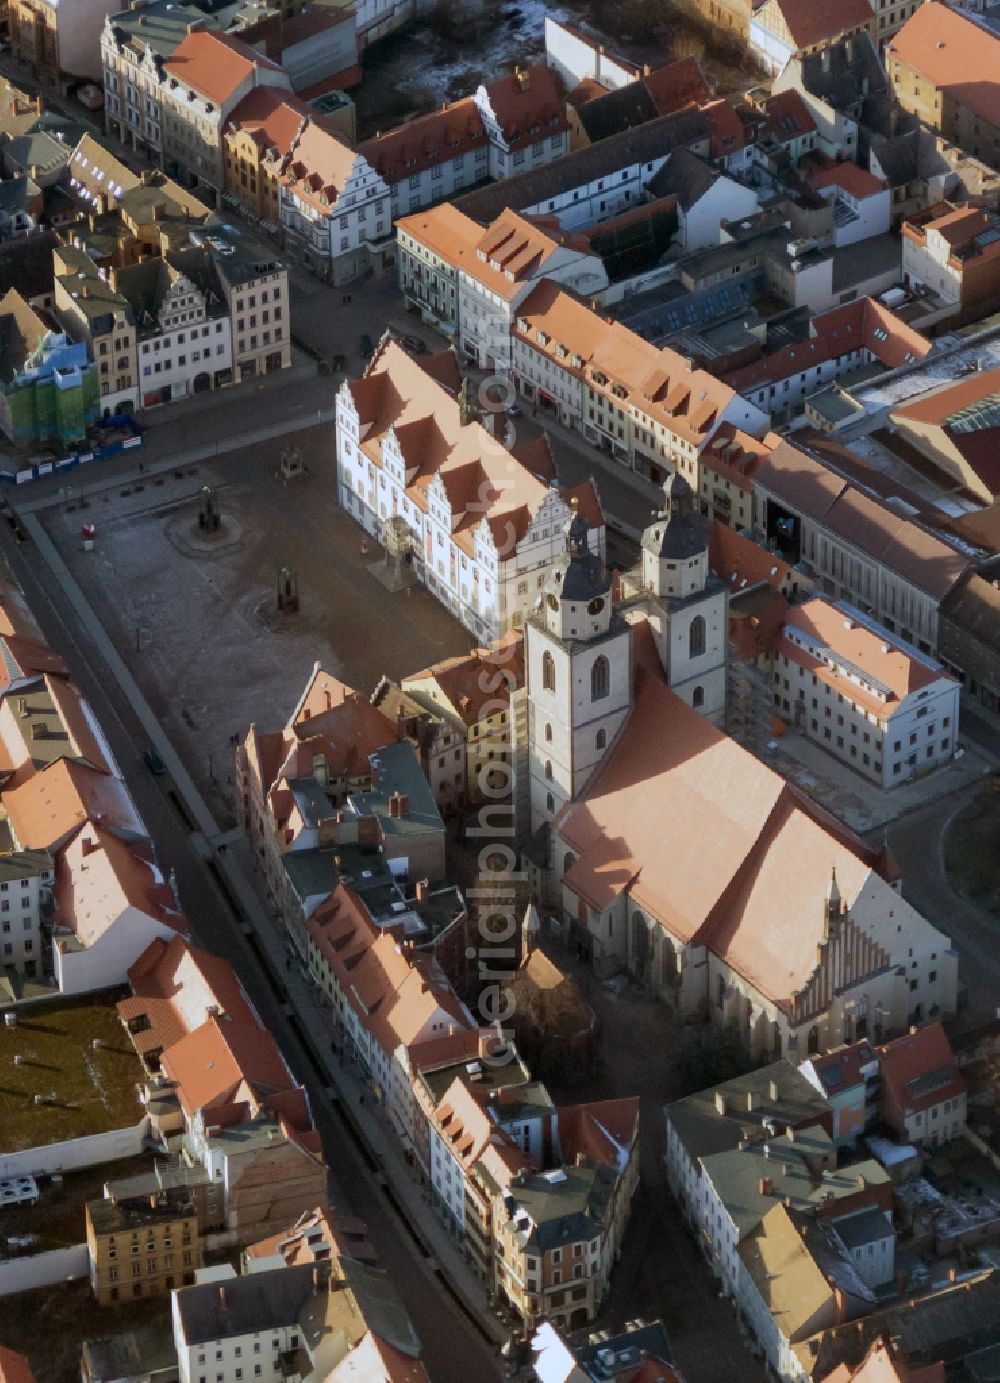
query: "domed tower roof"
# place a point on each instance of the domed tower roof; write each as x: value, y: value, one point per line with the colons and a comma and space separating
x: 579, y: 574
x: 678, y: 531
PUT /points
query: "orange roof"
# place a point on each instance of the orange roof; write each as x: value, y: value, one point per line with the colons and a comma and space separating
x: 586, y: 90
x: 753, y: 887
x: 514, y: 249
x: 214, y: 64
x: 52, y: 806
x: 810, y: 24
x: 99, y: 877
x: 855, y: 648
x: 272, y: 117
x: 881, y: 1365
x: 480, y: 680
x: 921, y: 1053
x: 659, y: 384
x: 728, y: 133
x: 602, y: 1131
x: 425, y: 141
x: 939, y: 406
x: 318, y: 166
x: 954, y: 53
x: 14, y: 1367
x: 375, y: 1360
x: 677, y: 85
x: 226, y: 1062
x: 864, y: 324
x: 956, y: 224
x: 788, y: 116
x: 742, y: 563
x: 528, y: 105
x: 482, y: 481
x: 734, y: 455
x: 854, y: 180
x: 317, y: 1235
x: 174, y: 985
x: 446, y: 232
x: 25, y: 656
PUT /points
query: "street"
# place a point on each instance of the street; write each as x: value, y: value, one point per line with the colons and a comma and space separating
x: 454, y: 1349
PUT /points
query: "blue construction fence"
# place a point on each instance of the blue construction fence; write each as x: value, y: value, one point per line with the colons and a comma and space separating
x: 121, y: 433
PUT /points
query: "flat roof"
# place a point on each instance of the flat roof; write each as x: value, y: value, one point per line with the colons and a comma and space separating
x: 95, y: 1091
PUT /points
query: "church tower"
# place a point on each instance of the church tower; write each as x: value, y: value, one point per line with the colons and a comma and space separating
x: 688, y: 610
x: 579, y: 675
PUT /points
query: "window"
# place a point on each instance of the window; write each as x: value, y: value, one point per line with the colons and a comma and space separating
x: 601, y: 740
x: 698, y: 697
x: 548, y: 672
x: 600, y: 679
x: 696, y: 637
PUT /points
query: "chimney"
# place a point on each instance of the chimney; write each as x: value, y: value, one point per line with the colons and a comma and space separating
x: 153, y: 1200
x: 841, y: 1304
x: 772, y: 1090
x: 720, y: 1102
x: 765, y: 1186
x: 39, y: 105
x: 790, y: 1134
x: 523, y: 79
x: 751, y: 1099
x: 89, y: 845
x: 223, y: 1300
x: 423, y: 891
x: 580, y: 1159
x: 952, y: 1274
x: 914, y: 1030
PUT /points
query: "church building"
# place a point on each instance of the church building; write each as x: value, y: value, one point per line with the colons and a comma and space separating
x: 673, y: 853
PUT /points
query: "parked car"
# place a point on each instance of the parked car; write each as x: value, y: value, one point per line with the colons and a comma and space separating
x: 154, y: 763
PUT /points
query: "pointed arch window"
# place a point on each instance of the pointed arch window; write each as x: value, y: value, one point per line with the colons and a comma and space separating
x: 548, y: 672
x: 600, y: 679
x: 601, y: 739
x: 696, y: 637
x: 698, y: 697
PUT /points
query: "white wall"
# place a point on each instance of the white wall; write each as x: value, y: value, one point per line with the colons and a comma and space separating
x: 106, y: 962
x: 43, y: 1270
x: 574, y: 58
x: 700, y: 223
x: 74, y: 1153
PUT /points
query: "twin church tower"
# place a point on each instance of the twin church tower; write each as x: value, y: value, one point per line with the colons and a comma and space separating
x: 578, y: 645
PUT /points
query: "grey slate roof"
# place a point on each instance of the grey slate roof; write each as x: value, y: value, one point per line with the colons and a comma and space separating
x: 777, y: 1092
x: 653, y: 140
x: 243, y: 1305
x: 569, y: 1207
x: 685, y: 176
x: 678, y: 531
x: 619, y: 110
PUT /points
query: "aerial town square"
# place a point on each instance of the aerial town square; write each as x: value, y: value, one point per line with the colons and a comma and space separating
x: 500, y: 691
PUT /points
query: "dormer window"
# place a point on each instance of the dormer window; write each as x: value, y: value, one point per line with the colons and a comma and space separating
x: 577, y: 362
x: 561, y: 352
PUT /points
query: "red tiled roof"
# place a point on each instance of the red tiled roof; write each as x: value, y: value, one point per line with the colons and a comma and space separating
x: 728, y: 133
x: 677, y: 85
x: 925, y: 1052
x: 481, y: 679
x: 954, y: 53
x: 842, y: 1068
x: 788, y: 116
x: 174, y: 985
x: 854, y: 180
x: 428, y: 140
x: 214, y: 64
x: 14, y: 1367
x: 226, y: 1062
x: 811, y: 24
x: 865, y: 324
x: 742, y: 563
x: 603, y: 1131
x: 528, y: 105
x: 272, y: 117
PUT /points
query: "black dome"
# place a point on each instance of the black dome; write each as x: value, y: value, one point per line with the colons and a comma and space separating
x: 678, y: 531
x: 579, y: 574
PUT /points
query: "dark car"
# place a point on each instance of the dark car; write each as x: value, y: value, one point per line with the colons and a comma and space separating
x: 154, y: 763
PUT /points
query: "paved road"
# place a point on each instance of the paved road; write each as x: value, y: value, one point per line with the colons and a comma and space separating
x: 917, y: 840
x: 454, y: 1349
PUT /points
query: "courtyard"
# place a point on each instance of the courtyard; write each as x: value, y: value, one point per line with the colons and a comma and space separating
x: 196, y: 616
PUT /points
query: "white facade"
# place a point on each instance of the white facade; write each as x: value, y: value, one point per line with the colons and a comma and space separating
x: 859, y: 719
x: 859, y: 218
x: 256, y: 1357
x: 336, y: 238
x: 190, y: 352
x: 537, y: 373
x: 488, y: 592
x: 486, y: 316
x: 574, y: 57
x: 25, y: 886
x: 504, y: 160
x: 131, y: 92
x: 579, y: 682
x: 699, y: 225
x: 105, y: 962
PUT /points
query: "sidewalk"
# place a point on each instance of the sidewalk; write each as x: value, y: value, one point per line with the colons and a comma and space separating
x: 406, y: 1196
